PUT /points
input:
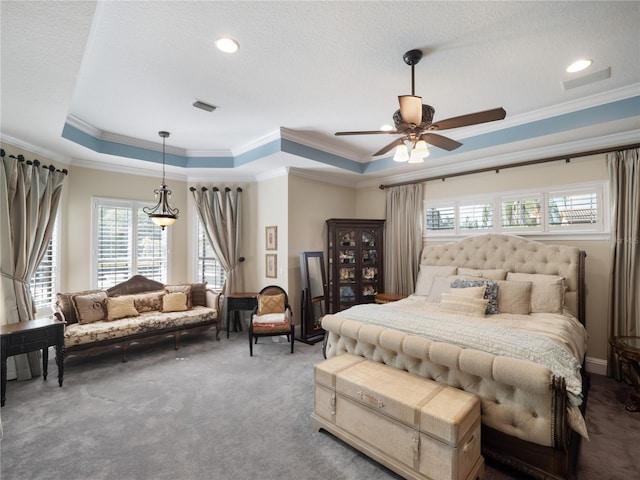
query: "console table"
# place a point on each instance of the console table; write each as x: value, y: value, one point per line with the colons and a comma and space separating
x: 25, y: 337
x: 235, y: 303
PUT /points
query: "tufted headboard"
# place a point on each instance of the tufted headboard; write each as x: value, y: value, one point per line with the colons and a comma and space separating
x: 516, y: 254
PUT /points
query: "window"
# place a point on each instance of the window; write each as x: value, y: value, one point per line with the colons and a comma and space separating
x: 573, y: 209
x: 208, y: 269
x: 476, y: 216
x: 127, y: 243
x: 44, y: 283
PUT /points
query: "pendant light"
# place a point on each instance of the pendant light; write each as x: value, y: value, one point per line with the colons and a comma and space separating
x: 162, y: 214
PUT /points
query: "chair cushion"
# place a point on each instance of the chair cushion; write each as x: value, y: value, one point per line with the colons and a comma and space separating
x: 270, y: 304
x: 270, y: 319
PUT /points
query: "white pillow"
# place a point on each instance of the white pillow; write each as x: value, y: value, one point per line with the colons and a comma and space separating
x: 473, y: 292
x: 474, y: 307
x: 428, y: 274
x: 491, y: 274
x: 514, y: 297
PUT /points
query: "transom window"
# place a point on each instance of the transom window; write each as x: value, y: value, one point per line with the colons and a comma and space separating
x: 571, y: 209
x: 126, y: 243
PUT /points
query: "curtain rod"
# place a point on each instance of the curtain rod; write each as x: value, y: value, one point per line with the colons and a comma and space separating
x: 35, y: 163
x: 566, y: 158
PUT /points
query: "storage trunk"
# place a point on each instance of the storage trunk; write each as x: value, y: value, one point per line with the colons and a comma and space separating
x: 416, y: 427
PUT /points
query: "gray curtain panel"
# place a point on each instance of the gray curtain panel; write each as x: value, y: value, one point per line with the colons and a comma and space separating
x: 624, y: 301
x: 402, y: 238
x: 221, y: 215
x: 29, y: 199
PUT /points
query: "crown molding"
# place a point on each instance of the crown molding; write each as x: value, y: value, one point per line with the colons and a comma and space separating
x: 128, y: 169
x: 320, y: 177
x: 35, y: 150
x: 302, y: 139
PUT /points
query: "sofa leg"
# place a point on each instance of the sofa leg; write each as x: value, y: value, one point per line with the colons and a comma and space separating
x: 125, y: 359
x: 176, y: 339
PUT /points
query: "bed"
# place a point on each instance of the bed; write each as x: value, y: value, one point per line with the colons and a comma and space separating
x: 499, y: 316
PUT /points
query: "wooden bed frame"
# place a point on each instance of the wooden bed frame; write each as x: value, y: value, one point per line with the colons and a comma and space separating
x: 558, y: 461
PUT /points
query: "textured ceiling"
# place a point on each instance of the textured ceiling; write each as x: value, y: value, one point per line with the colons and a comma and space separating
x: 81, y: 78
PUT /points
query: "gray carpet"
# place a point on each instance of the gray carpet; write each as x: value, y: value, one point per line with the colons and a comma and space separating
x: 209, y: 411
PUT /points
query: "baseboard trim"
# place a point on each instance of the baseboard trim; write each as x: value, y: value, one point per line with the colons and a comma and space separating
x: 596, y: 365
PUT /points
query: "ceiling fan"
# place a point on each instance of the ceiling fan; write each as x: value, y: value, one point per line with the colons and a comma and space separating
x: 414, y: 121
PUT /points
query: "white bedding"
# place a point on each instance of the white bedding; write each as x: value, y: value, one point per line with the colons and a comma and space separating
x: 555, y: 341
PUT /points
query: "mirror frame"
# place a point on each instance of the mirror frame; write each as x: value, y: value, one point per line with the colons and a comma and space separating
x: 311, y: 330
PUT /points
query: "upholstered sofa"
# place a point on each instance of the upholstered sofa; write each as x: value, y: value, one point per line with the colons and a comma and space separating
x: 138, y: 310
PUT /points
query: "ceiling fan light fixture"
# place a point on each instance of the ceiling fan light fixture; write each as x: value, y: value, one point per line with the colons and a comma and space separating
x: 411, y: 109
x: 402, y: 154
x: 421, y: 149
x: 416, y: 157
x: 227, y: 45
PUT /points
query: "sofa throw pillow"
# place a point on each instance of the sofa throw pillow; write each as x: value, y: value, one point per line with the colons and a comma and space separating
x: 474, y: 307
x: 174, y: 302
x: 490, y: 292
x: 270, y: 304
x: 186, y: 289
x: 428, y: 274
x: 120, y: 307
x: 199, y: 294
x: 148, y: 301
x: 65, y: 304
x: 514, y: 297
x: 90, y: 307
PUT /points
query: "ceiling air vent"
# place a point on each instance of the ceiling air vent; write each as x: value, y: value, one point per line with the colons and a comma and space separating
x: 204, y: 106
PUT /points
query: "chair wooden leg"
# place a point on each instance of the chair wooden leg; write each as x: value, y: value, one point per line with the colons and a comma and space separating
x: 250, y: 343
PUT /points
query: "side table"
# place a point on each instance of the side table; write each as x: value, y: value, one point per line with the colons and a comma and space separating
x: 235, y: 303
x: 628, y: 351
x: 25, y: 337
x: 389, y: 297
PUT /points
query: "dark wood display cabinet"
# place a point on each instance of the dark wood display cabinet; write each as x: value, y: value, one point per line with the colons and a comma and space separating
x: 355, y: 262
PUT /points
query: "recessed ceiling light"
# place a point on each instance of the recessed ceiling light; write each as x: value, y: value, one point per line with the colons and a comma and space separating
x: 386, y: 128
x: 227, y: 44
x: 579, y: 65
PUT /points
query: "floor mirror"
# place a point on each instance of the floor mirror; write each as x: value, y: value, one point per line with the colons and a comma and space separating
x: 314, y: 296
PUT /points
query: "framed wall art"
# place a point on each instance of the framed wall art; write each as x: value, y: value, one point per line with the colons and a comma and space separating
x: 271, y: 267
x: 271, y: 236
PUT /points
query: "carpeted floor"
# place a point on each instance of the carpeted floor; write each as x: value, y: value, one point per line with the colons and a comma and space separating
x: 209, y: 411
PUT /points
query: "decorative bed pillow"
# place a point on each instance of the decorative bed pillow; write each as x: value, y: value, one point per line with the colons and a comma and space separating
x: 427, y: 275
x: 473, y: 292
x: 120, y: 307
x: 547, y: 291
x: 474, y: 307
x: 490, y: 291
x: 174, y: 302
x: 186, y: 289
x: 270, y: 304
x: 492, y: 273
x: 514, y: 297
x: 89, y: 307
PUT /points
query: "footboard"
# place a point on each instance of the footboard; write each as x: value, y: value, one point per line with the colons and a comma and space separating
x: 524, y: 416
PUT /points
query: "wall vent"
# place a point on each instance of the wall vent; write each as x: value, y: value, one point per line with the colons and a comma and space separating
x: 204, y: 106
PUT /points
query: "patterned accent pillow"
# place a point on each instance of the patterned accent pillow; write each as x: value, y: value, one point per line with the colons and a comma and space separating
x: 174, y: 302
x: 490, y: 292
x: 89, y: 307
x: 199, y: 294
x: 458, y: 304
x: 120, y: 307
x: 270, y: 304
x: 186, y: 289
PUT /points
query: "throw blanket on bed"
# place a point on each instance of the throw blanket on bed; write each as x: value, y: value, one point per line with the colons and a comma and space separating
x: 468, y: 332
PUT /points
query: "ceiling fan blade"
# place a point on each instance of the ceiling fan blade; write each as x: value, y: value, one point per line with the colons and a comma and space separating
x: 384, y: 150
x: 411, y: 109
x: 440, y: 141
x: 470, y: 119
x: 367, y: 132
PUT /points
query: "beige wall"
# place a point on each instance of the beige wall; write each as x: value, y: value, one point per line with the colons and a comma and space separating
x: 579, y: 170
x: 311, y: 204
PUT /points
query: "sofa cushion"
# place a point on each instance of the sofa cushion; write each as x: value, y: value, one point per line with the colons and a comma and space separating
x: 186, y: 289
x: 174, y: 302
x: 89, y: 307
x: 82, y: 334
x: 121, y: 307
